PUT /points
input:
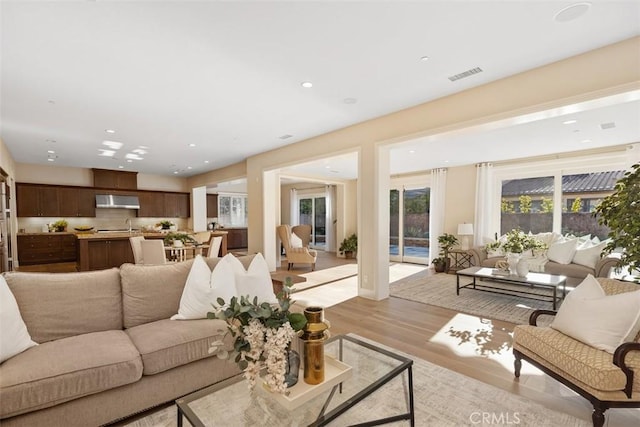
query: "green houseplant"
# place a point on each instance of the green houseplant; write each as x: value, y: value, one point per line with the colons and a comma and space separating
x: 183, y: 237
x: 165, y: 224
x: 446, y: 241
x: 349, y: 246
x: 59, y: 225
x: 619, y: 212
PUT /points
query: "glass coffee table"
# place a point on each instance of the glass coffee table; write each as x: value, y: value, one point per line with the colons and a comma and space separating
x: 230, y: 402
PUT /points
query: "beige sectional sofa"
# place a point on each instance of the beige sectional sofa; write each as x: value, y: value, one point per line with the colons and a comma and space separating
x: 107, y: 348
x: 575, y: 272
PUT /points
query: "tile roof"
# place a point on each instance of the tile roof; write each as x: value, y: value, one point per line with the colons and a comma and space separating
x: 579, y: 183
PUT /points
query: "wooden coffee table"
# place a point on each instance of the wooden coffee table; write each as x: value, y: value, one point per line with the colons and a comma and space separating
x: 491, y: 279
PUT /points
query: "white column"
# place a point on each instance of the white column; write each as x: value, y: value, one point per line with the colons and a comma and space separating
x: 373, y: 222
x: 271, y: 209
x: 199, y: 208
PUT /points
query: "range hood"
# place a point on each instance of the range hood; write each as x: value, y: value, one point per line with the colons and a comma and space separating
x: 121, y: 202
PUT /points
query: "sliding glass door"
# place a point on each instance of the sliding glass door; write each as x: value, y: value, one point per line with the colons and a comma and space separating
x: 313, y: 211
x: 409, y: 225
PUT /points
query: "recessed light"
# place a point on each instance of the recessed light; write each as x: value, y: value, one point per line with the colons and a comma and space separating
x: 139, y: 151
x: 175, y: 172
x: 189, y: 167
x: 132, y: 156
x: 306, y: 84
x: 110, y: 131
x: 327, y: 167
x: 206, y: 161
x: 192, y: 145
x: 129, y: 161
x: 586, y: 141
x: 446, y: 161
x: 572, y: 12
x: 51, y: 152
x: 50, y: 159
x: 569, y: 122
x: 120, y: 167
x: 424, y: 58
x: 412, y: 151
x: 106, y: 153
x: 114, y: 145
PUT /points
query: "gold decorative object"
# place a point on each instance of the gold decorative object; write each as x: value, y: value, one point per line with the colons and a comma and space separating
x: 314, y: 335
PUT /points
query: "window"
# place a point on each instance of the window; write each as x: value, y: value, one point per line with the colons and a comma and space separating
x: 232, y: 210
x: 527, y: 204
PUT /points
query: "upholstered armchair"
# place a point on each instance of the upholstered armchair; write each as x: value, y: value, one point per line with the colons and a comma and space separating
x: 296, y: 255
x: 606, y: 380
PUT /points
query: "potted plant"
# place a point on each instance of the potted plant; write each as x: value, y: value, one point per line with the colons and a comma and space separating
x: 619, y: 212
x: 349, y: 246
x: 165, y: 224
x: 446, y: 241
x: 59, y: 225
x: 184, y: 238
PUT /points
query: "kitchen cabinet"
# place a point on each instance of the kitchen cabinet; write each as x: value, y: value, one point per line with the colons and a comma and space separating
x: 176, y: 205
x: 47, y: 248
x: 212, y: 205
x: 151, y: 204
x: 100, y: 254
x: 120, y: 180
x: 37, y: 200
x: 237, y: 238
x: 76, y: 201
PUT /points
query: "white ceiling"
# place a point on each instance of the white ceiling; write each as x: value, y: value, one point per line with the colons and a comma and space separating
x: 226, y: 76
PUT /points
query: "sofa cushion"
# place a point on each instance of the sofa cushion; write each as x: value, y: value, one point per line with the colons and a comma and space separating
x: 66, y: 369
x: 153, y: 292
x: 569, y: 270
x: 167, y: 344
x: 14, y: 338
x: 60, y: 305
x: 591, y: 366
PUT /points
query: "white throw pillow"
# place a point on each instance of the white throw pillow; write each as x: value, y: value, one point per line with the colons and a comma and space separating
x: 588, y: 255
x: 295, y: 241
x: 204, y: 287
x: 599, y: 320
x: 562, y: 252
x: 14, y: 337
x: 254, y: 282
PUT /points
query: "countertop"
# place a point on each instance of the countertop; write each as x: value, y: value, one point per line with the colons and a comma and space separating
x: 111, y: 235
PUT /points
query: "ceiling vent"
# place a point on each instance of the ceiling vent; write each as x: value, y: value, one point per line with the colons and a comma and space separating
x: 605, y: 126
x: 287, y: 136
x: 465, y: 74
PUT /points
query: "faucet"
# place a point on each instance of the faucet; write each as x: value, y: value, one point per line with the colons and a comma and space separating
x: 128, y: 221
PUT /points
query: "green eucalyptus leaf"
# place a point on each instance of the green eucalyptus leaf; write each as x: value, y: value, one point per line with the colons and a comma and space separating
x: 297, y: 321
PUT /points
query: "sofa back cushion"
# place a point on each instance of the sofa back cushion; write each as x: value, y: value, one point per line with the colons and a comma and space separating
x: 59, y: 305
x: 153, y: 292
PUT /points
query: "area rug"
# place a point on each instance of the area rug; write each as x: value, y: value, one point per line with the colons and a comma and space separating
x: 442, y: 398
x: 440, y: 290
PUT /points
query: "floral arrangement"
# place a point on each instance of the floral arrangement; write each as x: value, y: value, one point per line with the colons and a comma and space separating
x: 262, y: 335
x: 517, y: 242
x: 59, y: 225
x: 165, y: 224
x: 183, y: 237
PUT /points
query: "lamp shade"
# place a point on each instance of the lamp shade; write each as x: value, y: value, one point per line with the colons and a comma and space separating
x: 465, y: 229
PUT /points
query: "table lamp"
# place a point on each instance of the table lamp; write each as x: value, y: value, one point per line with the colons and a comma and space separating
x: 465, y: 230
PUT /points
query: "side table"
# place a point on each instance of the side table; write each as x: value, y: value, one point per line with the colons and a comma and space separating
x: 460, y: 259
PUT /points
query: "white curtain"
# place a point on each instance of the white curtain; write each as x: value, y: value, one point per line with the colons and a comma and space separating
x: 436, y: 208
x: 330, y: 196
x: 293, y: 200
x: 484, y: 204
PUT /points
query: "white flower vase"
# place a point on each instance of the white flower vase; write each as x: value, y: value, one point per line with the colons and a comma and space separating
x: 522, y: 268
x: 513, y: 259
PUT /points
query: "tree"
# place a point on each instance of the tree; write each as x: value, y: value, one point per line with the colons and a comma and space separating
x: 547, y: 205
x: 507, y: 206
x: 525, y: 204
x: 620, y: 212
x: 576, y: 206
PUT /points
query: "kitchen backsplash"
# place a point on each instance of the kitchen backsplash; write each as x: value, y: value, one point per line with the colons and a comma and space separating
x: 106, y: 219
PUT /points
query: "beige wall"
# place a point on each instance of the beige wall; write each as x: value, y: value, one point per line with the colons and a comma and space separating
x: 461, y: 197
x: 61, y: 175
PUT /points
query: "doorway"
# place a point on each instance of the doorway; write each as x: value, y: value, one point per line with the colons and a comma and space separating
x: 409, y: 224
x: 312, y: 210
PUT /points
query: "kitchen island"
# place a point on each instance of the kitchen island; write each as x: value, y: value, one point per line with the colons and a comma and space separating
x: 99, y: 251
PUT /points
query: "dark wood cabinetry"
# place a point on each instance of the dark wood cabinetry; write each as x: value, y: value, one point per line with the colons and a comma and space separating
x: 100, y: 254
x: 176, y: 205
x: 46, y: 248
x: 37, y: 200
x: 76, y: 202
x: 212, y: 205
x: 237, y: 238
x: 121, y: 180
x: 151, y: 204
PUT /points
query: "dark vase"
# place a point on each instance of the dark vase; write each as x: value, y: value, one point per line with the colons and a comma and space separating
x: 293, y: 368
